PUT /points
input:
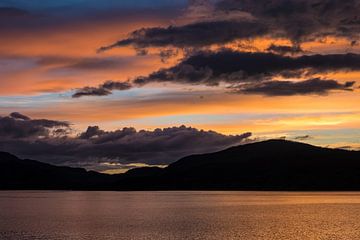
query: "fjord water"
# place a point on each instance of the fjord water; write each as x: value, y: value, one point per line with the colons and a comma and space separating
x: 178, y: 215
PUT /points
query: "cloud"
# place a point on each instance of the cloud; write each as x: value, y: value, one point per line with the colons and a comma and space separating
x: 230, y: 20
x: 302, y: 20
x: 103, y: 89
x: 94, y: 147
x: 17, y: 126
x: 198, y: 9
x: 289, y: 88
x: 92, y: 131
x: 233, y: 67
x: 284, y: 50
x: 91, y: 91
x: 20, y: 116
x: 192, y: 35
x: 349, y: 148
x: 303, y: 138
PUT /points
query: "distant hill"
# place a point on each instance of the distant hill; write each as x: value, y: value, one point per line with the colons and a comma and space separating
x: 268, y: 165
x: 28, y: 174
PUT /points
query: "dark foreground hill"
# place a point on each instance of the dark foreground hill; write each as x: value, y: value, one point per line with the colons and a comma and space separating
x: 269, y: 165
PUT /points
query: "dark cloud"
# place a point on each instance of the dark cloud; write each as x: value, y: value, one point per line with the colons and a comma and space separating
x: 91, y: 91
x: 349, y: 148
x: 303, y: 138
x: 296, y: 20
x: 17, y: 125
x: 192, y: 35
x: 92, y: 131
x: 95, y: 147
x: 166, y: 54
x: 284, y: 50
x: 102, y: 90
x: 289, y: 88
x: 198, y: 9
x: 302, y: 20
x: 116, y: 85
x: 232, y: 67
x: 20, y: 116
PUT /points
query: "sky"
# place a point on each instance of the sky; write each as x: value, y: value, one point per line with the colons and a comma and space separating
x: 111, y: 85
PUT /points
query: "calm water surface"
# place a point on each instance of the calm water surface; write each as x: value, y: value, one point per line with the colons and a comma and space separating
x: 179, y: 215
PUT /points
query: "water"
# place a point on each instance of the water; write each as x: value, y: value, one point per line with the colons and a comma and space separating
x: 179, y: 215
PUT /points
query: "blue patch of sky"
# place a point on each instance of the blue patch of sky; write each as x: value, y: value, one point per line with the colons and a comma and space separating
x: 37, y: 101
x: 137, y: 92
x: 43, y: 100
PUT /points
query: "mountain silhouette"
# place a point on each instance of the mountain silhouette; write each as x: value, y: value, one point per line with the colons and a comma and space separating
x: 29, y: 174
x: 268, y: 165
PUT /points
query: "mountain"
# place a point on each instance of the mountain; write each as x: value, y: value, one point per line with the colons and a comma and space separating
x: 28, y: 174
x: 269, y: 165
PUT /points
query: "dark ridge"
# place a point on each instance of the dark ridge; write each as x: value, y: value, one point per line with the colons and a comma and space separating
x: 30, y: 174
x: 268, y: 165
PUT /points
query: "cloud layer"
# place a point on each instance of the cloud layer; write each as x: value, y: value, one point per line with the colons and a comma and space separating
x: 289, y: 88
x: 17, y: 126
x: 192, y: 35
x: 229, y: 20
x: 302, y: 20
x: 102, y: 150
x: 253, y: 69
x: 102, y: 90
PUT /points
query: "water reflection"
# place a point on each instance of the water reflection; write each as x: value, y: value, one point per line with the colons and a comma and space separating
x: 179, y: 215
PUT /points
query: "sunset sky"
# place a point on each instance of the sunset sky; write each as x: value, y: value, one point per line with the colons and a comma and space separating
x: 108, y: 85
